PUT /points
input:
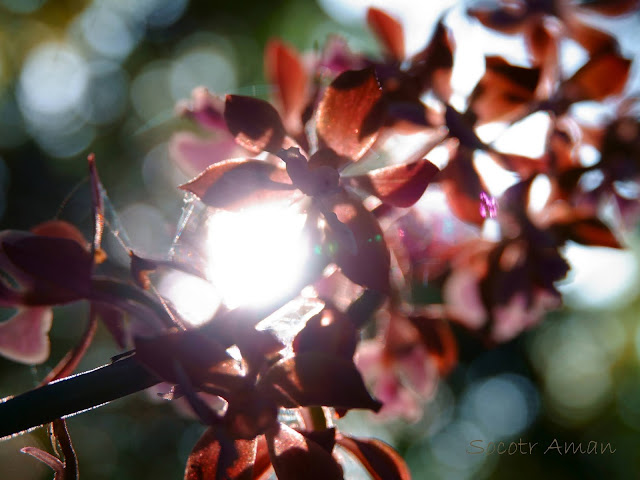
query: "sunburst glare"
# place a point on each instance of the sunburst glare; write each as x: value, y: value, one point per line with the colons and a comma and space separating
x: 256, y: 254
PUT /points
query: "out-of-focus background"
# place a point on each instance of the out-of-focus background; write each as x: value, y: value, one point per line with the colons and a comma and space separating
x: 103, y: 76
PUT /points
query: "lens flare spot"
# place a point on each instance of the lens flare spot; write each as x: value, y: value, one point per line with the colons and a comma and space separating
x: 257, y: 254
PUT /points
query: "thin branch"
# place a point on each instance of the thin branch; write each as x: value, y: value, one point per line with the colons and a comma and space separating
x: 72, y: 395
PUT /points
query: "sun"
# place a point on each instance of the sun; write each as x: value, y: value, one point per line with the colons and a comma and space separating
x: 256, y: 254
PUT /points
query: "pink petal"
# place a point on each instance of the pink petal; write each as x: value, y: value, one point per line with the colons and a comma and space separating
x: 419, y: 371
x: 513, y: 318
x: 462, y: 295
x: 368, y: 358
x: 397, y: 400
x: 193, y: 154
x: 24, y: 337
x: 204, y: 108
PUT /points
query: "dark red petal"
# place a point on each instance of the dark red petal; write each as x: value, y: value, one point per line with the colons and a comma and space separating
x: 347, y: 121
x: 60, y: 229
x: 610, y: 7
x: 503, y: 92
x: 505, y: 20
x: 389, y: 32
x: 233, y: 184
x: 256, y: 345
x: 317, y: 379
x: 58, y: 267
x: 381, y: 461
x: 438, y: 338
x: 434, y: 64
x: 461, y: 127
x: 249, y: 414
x: 330, y: 331
x: 325, y: 438
x: 589, y: 231
x: 210, y: 459
x: 369, y: 266
x: 285, y: 70
x: 462, y: 186
x: 255, y: 123
x: 516, y: 198
x: 398, y: 185
x: 541, y: 44
x: 600, y: 77
x: 593, y: 40
x: 263, y: 462
x: 295, y: 457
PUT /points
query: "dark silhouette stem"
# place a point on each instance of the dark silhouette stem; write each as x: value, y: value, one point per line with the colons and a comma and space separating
x: 73, y: 394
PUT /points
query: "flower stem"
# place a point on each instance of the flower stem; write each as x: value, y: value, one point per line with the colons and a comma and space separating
x: 73, y: 394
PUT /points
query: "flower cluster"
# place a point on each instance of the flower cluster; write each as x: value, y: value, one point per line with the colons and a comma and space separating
x: 326, y: 145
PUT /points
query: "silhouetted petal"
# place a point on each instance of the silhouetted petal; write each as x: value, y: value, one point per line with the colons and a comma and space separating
x: 346, y: 120
x: 256, y: 345
x: 506, y: 18
x: 379, y: 459
x: 320, y: 379
x: 249, y: 414
x: 329, y: 331
x: 325, y: 438
x: 295, y: 456
x: 434, y: 64
x: 58, y: 268
x: 397, y: 185
x: 255, y: 123
x: 610, y: 7
x: 461, y: 127
x: 213, y: 459
x: 233, y: 184
x: 389, y: 32
x: 369, y: 266
x: 503, y: 92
